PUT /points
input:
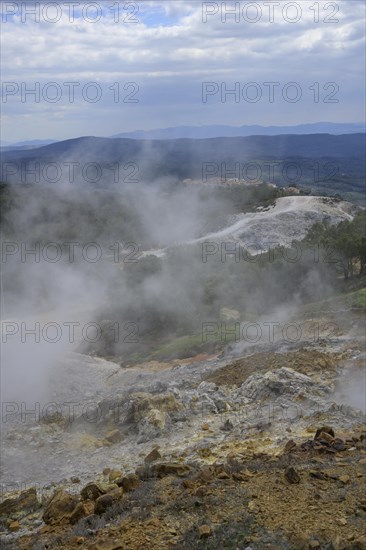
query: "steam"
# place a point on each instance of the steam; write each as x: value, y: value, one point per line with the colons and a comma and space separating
x: 352, y: 385
x: 103, y: 275
x: 47, y: 304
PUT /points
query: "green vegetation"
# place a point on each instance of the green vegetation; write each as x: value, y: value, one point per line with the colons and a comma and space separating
x: 355, y: 300
x: 170, y: 298
x: 345, y: 242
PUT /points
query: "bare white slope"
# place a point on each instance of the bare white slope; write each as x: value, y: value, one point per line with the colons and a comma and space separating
x: 289, y: 219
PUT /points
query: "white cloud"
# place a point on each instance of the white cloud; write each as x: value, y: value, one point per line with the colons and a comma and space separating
x: 173, y: 51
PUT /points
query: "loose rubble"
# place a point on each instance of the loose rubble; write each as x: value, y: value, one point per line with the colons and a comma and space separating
x: 198, y: 457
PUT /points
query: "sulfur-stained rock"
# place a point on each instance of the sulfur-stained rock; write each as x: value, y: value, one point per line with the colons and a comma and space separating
x: 113, y: 436
x: 345, y: 479
x: 156, y: 418
x: 60, y: 507
x: 152, y: 456
x: 325, y: 430
x: 141, y: 403
x: 79, y: 512
x: 92, y: 491
x: 223, y: 475
x: 129, y: 482
x: 106, y: 501
x: 25, y: 503
x: 77, y: 540
x: 291, y: 475
x: 284, y: 381
x: 152, y: 425
x: 317, y: 474
x: 204, y: 531
x: 114, y: 475
x: 203, y: 404
x: 167, y: 468
x: 290, y: 446
x: 253, y: 507
x: 239, y: 476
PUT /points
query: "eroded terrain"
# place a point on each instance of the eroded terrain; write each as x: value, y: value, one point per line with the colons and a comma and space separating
x: 264, y: 448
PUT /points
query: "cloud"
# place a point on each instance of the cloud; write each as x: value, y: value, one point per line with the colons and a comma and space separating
x: 169, y: 52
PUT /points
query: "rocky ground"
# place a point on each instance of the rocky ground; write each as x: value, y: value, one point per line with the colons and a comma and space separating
x: 262, y: 448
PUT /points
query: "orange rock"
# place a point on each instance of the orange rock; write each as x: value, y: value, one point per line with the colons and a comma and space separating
x: 151, y: 457
x: 204, y: 531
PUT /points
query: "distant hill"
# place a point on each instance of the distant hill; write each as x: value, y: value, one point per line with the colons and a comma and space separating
x: 33, y: 144
x: 195, y: 132
x: 212, y: 131
x: 325, y: 163
x: 209, y: 150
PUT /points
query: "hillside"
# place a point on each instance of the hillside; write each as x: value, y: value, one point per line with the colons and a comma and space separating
x: 321, y: 164
x: 313, y: 145
x: 209, y: 131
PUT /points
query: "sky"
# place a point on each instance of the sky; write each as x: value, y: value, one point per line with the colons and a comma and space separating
x: 101, y: 68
